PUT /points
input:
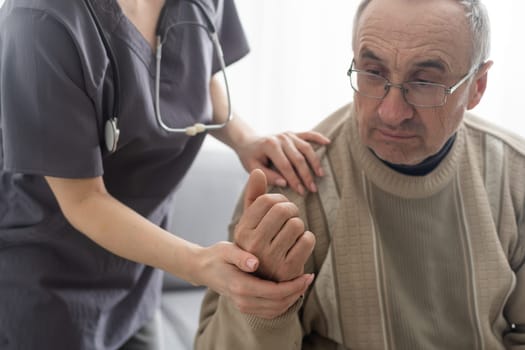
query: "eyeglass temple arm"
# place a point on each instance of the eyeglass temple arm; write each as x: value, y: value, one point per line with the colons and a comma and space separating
x: 453, y: 88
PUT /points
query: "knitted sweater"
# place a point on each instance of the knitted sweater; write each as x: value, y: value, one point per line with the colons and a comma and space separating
x: 402, y: 262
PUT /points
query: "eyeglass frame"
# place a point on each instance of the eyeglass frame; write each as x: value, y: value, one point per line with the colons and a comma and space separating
x: 388, y: 84
x: 210, y: 30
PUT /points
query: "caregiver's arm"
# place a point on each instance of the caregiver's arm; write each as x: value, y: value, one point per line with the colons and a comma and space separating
x: 286, y: 159
x: 93, y: 211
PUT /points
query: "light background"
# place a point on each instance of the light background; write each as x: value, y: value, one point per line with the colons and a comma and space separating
x: 295, y: 74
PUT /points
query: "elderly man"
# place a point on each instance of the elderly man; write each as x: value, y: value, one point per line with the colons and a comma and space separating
x: 419, y: 226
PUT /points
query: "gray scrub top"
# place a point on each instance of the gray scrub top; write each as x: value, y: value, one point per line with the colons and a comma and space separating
x: 58, y: 289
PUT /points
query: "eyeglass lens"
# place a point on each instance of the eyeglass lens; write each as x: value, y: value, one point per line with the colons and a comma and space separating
x: 415, y: 93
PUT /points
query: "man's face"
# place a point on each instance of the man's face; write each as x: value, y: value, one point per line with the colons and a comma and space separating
x: 403, y: 40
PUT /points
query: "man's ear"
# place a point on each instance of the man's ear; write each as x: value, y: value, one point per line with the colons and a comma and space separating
x: 480, y: 84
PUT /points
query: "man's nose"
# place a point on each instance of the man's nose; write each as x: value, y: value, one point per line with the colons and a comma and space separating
x: 394, y: 109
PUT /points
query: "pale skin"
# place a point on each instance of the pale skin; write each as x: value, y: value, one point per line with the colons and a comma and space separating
x: 402, y: 40
x: 282, y: 246
x: 411, y: 41
x: 223, y: 267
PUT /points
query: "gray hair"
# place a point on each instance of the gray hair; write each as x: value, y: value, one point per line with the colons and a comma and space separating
x: 479, y: 22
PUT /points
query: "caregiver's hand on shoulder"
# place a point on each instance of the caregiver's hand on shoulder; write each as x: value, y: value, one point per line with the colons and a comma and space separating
x: 270, y: 228
x: 286, y: 159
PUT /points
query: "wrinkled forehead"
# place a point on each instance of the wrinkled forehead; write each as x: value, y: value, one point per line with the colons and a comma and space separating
x: 402, y: 31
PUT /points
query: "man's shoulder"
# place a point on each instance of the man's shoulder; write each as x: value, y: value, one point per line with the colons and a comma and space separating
x: 478, y: 125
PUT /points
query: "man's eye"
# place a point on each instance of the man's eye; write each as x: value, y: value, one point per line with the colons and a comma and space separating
x: 376, y: 72
x: 426, y: 81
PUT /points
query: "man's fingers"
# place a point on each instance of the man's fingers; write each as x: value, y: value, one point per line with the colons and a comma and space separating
x: 272, y: 223
x: 301, y: 250
x: 255, y: 187
x: 290, y: 232
x: 252, y: 216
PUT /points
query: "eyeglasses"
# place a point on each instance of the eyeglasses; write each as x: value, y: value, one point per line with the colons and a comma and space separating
x: 209, y: 29
x: 415, y: 93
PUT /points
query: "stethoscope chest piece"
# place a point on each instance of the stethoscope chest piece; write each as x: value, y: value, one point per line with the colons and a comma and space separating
x: 111, y: 134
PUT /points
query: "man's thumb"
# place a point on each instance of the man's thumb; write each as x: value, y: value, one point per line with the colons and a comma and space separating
x: 255, y: 187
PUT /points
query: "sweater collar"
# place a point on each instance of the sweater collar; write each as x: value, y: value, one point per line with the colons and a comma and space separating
x: 396, y: 182
x: 427, y: 165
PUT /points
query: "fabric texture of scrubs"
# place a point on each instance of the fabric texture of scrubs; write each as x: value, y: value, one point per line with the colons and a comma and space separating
x: 58, y: 289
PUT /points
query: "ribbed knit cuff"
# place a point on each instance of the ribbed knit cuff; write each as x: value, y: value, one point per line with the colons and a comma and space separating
x: 256, y: 322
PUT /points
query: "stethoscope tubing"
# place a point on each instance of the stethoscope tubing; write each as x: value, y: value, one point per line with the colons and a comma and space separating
x: 197, y: 127
x: 111, y: 130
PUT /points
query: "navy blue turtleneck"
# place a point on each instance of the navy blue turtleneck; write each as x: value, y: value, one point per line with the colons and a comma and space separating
x: 427, y: 165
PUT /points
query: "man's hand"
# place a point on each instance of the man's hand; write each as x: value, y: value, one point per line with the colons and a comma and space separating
x: 270, y: 228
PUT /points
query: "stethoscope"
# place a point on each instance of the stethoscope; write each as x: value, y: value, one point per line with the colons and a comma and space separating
x: 111, y: 130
